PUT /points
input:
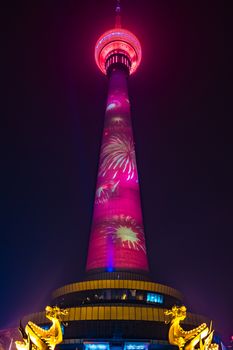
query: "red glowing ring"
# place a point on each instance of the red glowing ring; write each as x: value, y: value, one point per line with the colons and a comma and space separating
x: 120, y: 40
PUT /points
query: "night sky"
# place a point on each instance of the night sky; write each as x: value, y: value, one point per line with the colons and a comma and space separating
x: 53, y: 105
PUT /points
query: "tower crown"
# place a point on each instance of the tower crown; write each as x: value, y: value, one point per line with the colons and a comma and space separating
x: 118, y: 46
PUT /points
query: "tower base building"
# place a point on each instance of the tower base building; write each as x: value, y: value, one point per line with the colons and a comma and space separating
x: 116, y: 311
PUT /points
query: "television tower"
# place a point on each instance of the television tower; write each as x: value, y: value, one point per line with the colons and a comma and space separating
x: 117, y: 241
x: 117, y: 306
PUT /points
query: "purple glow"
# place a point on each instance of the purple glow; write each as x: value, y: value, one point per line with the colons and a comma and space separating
x: 121, y: 40
x: 117, y: 236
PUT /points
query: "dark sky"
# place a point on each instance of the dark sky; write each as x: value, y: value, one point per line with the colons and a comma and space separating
x: 53, y: 104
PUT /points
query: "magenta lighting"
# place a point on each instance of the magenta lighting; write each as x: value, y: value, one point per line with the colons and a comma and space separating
x: 117, y: 239
x: 119, y: 41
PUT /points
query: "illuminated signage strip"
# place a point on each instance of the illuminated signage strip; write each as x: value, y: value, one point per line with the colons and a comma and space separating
x: 105, y: 346
x: 154, y: 298
x: 116, y: 284
x: 136, y: 346
x: 130, y: 313
x: 96, y: 346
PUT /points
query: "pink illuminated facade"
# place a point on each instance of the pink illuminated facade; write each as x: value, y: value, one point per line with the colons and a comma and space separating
x: 117, y: 239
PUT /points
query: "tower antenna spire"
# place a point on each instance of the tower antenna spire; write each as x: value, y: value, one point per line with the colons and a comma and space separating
x: 118, y: 14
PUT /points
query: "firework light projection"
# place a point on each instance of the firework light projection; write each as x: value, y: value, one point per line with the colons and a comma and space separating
x: 125, y: 231
x: 118, y: 155
x: 117, y: 124
x: 113, y: 105
x: 119, y: 240
x: 105, y: 191
x: 118, y: 121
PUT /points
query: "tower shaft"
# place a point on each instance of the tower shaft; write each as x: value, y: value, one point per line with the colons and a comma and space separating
x: 117, y: 239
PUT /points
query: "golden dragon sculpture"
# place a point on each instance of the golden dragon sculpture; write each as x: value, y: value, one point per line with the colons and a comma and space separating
x: 188, y: 340
x: 37, y: 338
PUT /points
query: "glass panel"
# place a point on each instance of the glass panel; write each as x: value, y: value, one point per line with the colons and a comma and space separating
x: 144, y: 314
x: 132, y: 313
x: 71, y: 313
x: 150, y: 314
x: 154, y: 298
x: 156, y: 314
x: 101, y: 312
x: 77, y: 313
x: 125, y: 312
x: 161, y: 315
x: 108, y: 284
x: 96, y: 285
x: 113, y: 312
x: 95, y: 313
x: 89, y: 313
x: 120, y: 284
x: 104, y: 284
x: 96, y: 346
x: 136, y: 346
x: 107, y: 313
x: 138, y: 313
x: 119, y: 313
x: 134, y: 284
x: 83, y: 313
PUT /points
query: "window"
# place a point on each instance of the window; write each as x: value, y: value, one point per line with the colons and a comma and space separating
x: 136, y: 346
x: 96, y: 346
x: 154, y: 298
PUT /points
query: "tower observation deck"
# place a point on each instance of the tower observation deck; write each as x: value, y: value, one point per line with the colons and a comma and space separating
x: 117, y: 306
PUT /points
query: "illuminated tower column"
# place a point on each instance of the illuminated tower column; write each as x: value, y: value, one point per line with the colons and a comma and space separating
x: 117, y: 239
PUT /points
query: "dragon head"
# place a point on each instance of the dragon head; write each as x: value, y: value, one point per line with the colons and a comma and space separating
x: 177, y: 313
x: 54, y: 312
